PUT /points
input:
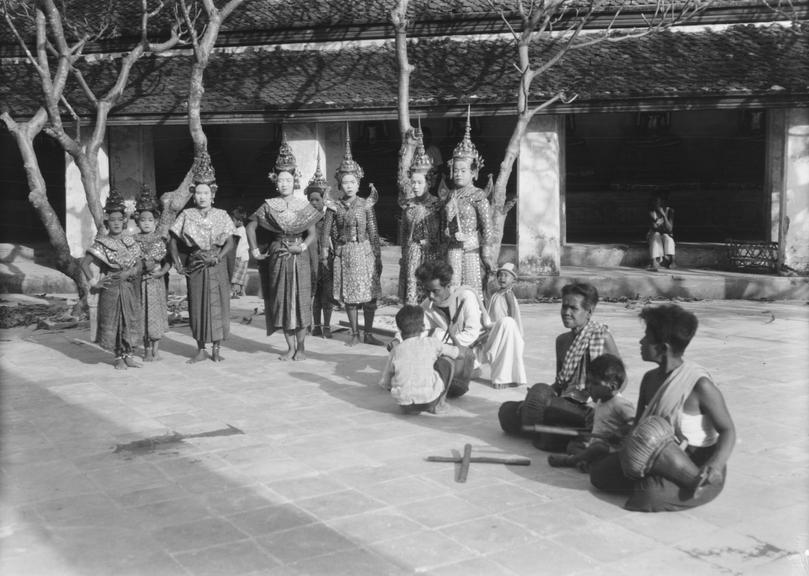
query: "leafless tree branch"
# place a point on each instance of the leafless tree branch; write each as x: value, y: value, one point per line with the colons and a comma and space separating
x: 190, y: 26
x: 784, y: 9
x: 398, y: 17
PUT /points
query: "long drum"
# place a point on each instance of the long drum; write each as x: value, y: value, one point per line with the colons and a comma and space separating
x: 652, y: 448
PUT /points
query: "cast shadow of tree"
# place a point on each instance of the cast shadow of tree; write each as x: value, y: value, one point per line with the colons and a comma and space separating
x: 146, y: 507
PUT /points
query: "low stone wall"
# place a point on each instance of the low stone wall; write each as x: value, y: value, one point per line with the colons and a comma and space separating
x: 636, y: 255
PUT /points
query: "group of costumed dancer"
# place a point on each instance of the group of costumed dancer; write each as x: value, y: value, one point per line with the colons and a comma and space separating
x: 669, y: 454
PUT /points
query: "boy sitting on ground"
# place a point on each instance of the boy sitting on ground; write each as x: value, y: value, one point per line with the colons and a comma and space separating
x: 419, y: 369
x: 612, y: 418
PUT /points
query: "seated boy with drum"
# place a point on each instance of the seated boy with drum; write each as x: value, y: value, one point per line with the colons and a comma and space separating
x: 612, y: 418
x: 675, y: 458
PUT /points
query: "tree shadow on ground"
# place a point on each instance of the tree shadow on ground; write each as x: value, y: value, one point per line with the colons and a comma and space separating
x: 74, y: 344
x: 168, y: 511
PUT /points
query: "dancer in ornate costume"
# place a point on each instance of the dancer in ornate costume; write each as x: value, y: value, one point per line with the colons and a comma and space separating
x: 350, y: 225
x: 420, y: 226
x: 154, y: 305
x: 322, y: 272
x: 118, y: 256
x: 288, y: 226
x: 201, y: 238
x: 467, y: 222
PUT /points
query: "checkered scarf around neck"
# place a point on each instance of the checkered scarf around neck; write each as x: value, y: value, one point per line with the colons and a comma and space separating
x: 591, y: 336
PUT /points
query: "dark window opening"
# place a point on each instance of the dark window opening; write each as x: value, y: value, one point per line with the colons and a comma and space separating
x: 710, y: 165
x: 19, y: 221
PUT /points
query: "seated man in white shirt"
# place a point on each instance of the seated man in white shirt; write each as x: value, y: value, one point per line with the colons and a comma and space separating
x: 456, y: 315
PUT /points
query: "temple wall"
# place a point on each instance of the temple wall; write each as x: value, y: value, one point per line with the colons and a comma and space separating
x: 775, y: 165
x: 539, y: 185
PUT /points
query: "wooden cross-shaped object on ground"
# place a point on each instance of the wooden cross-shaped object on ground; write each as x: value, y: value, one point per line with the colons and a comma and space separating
x: 467, y: 459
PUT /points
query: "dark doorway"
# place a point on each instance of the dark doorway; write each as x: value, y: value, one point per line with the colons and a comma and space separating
x: 710, y: 165
x: 242, y: 155
x: 19, y: 222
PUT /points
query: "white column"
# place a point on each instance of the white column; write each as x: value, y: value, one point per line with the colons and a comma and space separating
x: 305, y: 141
x: 795, y: 204
x: 774, y: 170
x: 79, y: 226
x: 539, y: 186
x: 334, y: 141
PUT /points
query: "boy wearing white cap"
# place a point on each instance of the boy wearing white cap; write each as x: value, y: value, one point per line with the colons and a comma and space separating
x: 503, y: 344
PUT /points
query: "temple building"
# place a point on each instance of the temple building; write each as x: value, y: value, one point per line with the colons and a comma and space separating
x: 713, y: 114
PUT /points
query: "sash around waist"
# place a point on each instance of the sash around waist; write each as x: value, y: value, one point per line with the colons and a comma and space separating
x: 466, y: 246
x: 359, y: 238
x: 291, y: 238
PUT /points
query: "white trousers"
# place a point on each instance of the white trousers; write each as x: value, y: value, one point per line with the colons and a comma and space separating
x: 660, y: 245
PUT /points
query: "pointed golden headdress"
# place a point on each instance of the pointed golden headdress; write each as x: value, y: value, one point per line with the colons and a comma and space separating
x: 348, y: 165
x: 115, y: 202
x: 203, y: 172
x: 422, y: 162
x: 147, y: 201
x: 286, y: 162
x: 466, y: 150
x: 318, y: 182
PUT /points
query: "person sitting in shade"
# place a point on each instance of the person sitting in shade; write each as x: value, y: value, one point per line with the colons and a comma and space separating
x: 661, y: 234
x: 419, y: 370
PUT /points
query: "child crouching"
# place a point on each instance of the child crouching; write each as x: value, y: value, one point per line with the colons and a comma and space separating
x: 612, y: 418
x: 419, y: 370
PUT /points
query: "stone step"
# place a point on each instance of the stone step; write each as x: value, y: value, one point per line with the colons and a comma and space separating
x: 636, y: 254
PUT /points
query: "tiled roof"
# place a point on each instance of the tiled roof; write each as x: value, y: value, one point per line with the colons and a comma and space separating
x: 331, y: 16
x: 761, y: 62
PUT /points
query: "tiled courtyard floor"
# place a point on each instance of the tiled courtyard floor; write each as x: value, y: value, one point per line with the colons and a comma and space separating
x: 328, y: 478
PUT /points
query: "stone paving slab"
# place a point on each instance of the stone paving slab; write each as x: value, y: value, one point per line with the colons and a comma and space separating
x: 328, y: 478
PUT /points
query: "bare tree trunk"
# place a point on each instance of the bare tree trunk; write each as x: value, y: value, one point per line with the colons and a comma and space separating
x: 174, y: 201
x: 501, y: 206
x: 408, y: 147
x: 38, y: 197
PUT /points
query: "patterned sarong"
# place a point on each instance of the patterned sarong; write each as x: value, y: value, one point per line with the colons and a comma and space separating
x: 239, y: 276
